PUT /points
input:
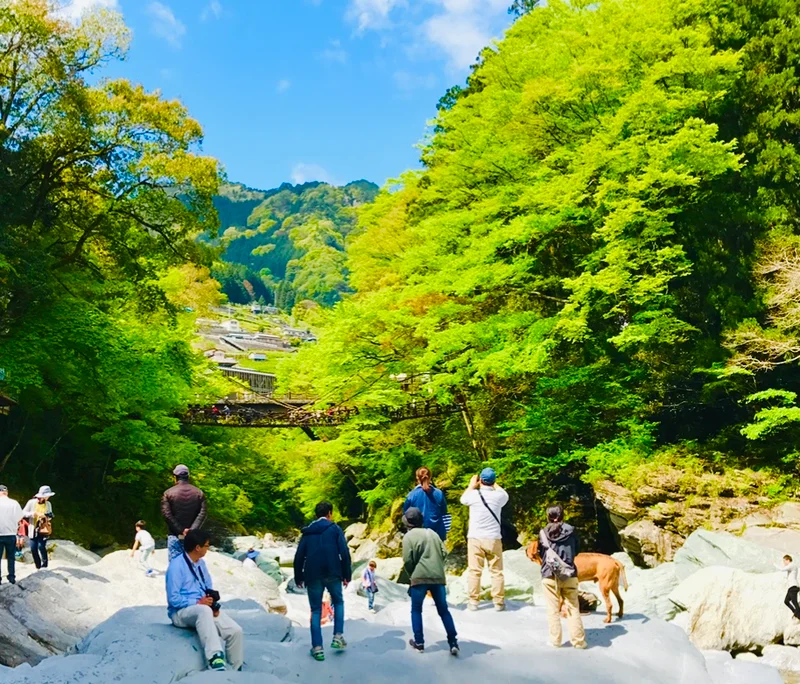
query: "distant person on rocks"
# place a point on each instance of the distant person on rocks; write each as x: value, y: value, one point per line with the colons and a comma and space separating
x: 322, y: 562
x: 39, y: 512
x: 431, y: 501
x: 193, y: 604
x: 10, y: 517
x: 369, y: 584
x: 251, y: 558
x: 423, y: 559
x: 184, y: 508
x: 485, y: 499
x: 790, y: 568
x: 558, y: 546
x: 146, y: 544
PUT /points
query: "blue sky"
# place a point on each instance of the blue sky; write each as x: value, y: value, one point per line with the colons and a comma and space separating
x: 298, y: 90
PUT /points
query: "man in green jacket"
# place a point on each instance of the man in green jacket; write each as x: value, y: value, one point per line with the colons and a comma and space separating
x: 423, y: 557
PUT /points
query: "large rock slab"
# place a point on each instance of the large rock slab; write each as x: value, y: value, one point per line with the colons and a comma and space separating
x: 50, y: 611
x: 140, y: 647
x: 704, y: 549
x: 648, y: 544
x: 731, y: 610
x: 523, y: 581
x: 723, y: 669
x: 649, y: 590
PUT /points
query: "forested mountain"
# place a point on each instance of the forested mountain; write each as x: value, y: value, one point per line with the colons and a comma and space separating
x: 289, y: 240
x: 599, y: 261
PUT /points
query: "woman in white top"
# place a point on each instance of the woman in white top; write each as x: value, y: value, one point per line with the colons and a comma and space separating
x: 792, y: 589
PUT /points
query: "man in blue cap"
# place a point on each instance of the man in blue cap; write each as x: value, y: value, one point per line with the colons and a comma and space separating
x: 485, y: 499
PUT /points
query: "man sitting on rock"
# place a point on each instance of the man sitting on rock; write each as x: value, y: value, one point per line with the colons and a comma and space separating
x: 191, y: 605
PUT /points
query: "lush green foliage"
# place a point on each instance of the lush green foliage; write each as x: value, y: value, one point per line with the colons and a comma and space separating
x: 103, y: 204
x: 296, y: 237
x: 578, y: 252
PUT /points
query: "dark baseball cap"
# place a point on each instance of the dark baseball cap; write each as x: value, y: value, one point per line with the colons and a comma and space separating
x: 413, y: 517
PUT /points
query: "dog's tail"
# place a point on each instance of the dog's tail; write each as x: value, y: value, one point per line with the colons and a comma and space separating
x: 623, y: 575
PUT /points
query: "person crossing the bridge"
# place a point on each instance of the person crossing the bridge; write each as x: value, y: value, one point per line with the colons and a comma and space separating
x: 184, y: 508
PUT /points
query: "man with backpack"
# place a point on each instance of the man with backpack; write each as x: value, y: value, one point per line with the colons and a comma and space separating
x: 558, y: 546
x: 485, y: 499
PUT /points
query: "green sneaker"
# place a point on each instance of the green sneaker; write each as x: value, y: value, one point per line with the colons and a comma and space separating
x: 217, y: 662
x: 317, y: 653
x: 338, y: 642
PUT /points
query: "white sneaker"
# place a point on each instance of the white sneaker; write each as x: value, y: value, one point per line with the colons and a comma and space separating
x: 373, y: 611
x: 472, y: 606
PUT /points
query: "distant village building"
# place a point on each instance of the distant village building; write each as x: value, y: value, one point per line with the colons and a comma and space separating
x: 231, y: 325
x: 257, y: 357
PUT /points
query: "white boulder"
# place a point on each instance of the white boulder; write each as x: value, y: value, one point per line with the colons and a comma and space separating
x: 728, y: 609
x: 784, y: 658
x: 649, y: 590
x: 50, y: 611
x: 703, y: 549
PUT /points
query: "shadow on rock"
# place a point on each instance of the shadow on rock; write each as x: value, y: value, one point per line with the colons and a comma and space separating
x: 604, y: 636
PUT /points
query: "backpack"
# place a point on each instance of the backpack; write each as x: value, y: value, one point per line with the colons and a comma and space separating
x: 561, y: 569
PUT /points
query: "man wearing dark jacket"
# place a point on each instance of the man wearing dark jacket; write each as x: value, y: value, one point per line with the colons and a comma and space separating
x: 184, y: 508
x: 322, y: 562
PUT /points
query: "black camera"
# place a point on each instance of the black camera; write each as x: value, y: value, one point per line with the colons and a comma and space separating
x: 213, y: 594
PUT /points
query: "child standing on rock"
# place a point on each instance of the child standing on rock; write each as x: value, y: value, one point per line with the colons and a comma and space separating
x: 144, y: 540
x: 369, y: 584
x: 790, y: 568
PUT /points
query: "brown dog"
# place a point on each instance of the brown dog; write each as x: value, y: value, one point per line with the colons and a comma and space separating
x: 594, y: 567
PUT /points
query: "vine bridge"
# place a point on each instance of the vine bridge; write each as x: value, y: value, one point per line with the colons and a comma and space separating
x: 279, y: 414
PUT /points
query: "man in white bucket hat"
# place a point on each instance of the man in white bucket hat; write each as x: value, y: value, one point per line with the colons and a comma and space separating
x: 39, y: 511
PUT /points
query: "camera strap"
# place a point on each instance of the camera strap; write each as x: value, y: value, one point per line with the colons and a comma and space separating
x: 200, y: 580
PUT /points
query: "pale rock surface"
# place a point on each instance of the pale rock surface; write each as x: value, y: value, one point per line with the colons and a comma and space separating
x: 791, y: 635
x: 367, y: 550
x: 355, y: 531
x: 523, y: 581
x: 246, y: 543
x: 787, y: 513
x: 724, y: 669
x: 785, y: 658
x: 51, y: 610
x: 649, y: 590
x: 728, y: 609
x: 138, y: 645
x: 703, y: 549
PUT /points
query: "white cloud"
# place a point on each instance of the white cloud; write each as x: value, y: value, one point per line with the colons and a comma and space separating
x: 213, y: 10
x: 73, y: 10
x: 407, y: 81
x: 165, y: 24
x: 458, y: 29
x: 303, y: 173
x: 283, y: 85
x: 372, y: 14
x: 334, y: 52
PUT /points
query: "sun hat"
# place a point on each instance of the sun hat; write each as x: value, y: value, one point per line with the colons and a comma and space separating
x: 44, y: 492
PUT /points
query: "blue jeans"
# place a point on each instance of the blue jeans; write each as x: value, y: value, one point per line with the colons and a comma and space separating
x: 371, y: 598
x: 439, y: 593
x: 39, y: 551
x: 174, y: 546
x: 316, y: 589
x: 9, y: 543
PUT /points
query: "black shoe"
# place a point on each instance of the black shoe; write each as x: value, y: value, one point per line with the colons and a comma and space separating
x: 416, y: 646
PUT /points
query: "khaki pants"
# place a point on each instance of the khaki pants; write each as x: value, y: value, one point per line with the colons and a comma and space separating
x: 212, y: 631
x: 490, y: 550
x: 554, y: 592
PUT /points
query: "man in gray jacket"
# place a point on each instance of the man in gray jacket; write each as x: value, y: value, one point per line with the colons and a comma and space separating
x: 423, y: 558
